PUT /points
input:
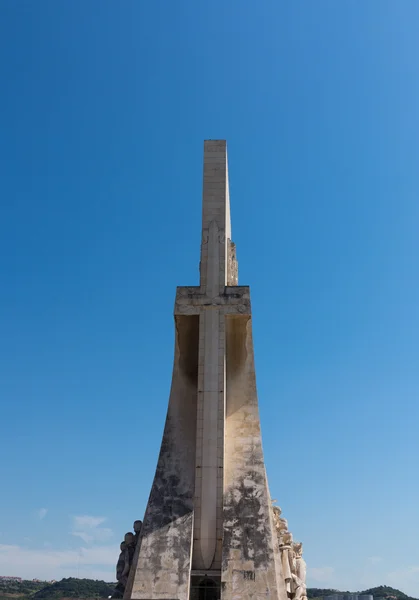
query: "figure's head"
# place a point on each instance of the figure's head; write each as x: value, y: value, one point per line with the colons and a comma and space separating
x: 137, y: 526
x: 298, y: 549
x: 287, y: 538
x: 129, y: 538
x: 122, y: 546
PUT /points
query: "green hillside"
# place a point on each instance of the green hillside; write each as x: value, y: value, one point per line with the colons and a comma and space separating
x: 66, y: 588
x: 75, y: 588
x: 383, y: 592
x: 91, y: 589
x: 19, y: 589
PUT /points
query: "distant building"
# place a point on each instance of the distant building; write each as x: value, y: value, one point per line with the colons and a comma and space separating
x: 10, y: 578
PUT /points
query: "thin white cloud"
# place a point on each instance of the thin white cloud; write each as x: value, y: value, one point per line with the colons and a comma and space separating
x: 92, y: 563
x: 323, y: 574
x: 88, y: 529
x: 42, y: 513
x: 88, y: 521
x: 374, y: 560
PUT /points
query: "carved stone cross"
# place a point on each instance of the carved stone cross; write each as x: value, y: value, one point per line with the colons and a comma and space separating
x: 212, y: 301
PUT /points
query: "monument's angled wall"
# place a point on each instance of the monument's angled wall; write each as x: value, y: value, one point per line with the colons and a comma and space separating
x: 161, y: 569
x: 251, y: 565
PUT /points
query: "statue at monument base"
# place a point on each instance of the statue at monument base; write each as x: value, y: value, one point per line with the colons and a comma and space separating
x: 126, y: 558
x: 293, y: 564
x: 122, y: 571
x: 299, y: 572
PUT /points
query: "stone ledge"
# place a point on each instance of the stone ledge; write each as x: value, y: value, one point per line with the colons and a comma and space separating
x: 192, y: 300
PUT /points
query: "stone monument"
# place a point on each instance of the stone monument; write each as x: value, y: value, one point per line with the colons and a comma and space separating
x: 208, y: 530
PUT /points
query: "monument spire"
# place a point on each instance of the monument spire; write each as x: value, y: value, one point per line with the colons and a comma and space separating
x: 209, y: 521
x: 215, y: 218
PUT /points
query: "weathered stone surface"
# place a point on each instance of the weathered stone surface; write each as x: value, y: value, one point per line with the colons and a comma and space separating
x: 251, y: 565
x: 162, y: 565
x: 122, y: 571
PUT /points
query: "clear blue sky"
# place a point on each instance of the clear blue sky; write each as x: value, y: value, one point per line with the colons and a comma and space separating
x: 103, y: 112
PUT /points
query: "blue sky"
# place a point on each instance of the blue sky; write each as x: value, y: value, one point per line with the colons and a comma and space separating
x: 103, y: 113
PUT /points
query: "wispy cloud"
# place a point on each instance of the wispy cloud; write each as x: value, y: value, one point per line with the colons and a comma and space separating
x: 42, y: 513
x: 374, y: 560
x: 93, y: 563
x: 88, y: 529
x: 321, y: 573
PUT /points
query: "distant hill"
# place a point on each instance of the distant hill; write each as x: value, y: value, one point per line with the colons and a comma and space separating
x: 75, y: 588
x: 383, y: 591
x: 92, y: 589
x: 19, y: 589
x: 66, y: 588
x: 321, y: 592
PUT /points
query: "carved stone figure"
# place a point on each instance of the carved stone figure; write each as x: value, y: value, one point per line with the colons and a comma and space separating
x: 130, y: 541
x: 293, y: 564
x: 285, y: 547
x: 299, y: 572
x: 126, y: 558
x: 137, y: 529
x: 129, y: 538
x: 280, y: 523
x: 286, y: 550
x: 122, y: 571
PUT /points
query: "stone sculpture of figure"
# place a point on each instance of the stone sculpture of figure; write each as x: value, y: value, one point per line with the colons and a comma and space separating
x: 126, y: 558
x: 122, y: 571
x: 129, y: 538
x: 130, y: 541
x: 286, y: 549
x: 299, y: 572
x: 280, y: 523
x: 137, y: 529
x: 293, y: 564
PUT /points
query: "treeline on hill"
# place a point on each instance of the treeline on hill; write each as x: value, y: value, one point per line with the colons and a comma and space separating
x: 19, y: 588
x: 66, y: 588
x: 75, y: 588
x: 89, y: 588
x: 383, y: 591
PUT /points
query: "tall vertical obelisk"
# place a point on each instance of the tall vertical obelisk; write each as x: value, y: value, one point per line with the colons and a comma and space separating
x: 208, y: 530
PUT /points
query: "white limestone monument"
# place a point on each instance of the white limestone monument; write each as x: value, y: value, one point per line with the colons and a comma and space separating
x: 208, y: 531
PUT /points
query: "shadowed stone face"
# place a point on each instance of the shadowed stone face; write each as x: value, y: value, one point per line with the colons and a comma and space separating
x: 137, y: 526
x: 129, y: 538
